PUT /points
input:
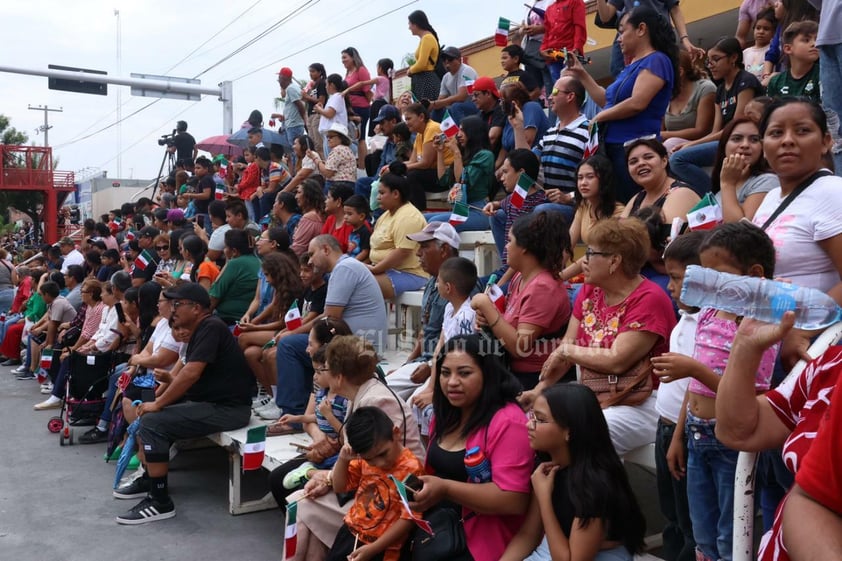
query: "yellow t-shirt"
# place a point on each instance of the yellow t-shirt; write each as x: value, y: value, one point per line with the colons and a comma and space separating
x: 432, y: 130
x: 390, y: 233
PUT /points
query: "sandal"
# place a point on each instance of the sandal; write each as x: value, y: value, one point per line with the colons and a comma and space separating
x: 280, y: 429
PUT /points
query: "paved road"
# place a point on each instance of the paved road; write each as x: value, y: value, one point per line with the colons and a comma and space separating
x: 56, y: 504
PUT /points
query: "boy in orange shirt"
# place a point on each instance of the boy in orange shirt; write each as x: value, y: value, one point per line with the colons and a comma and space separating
x: 377, y: 525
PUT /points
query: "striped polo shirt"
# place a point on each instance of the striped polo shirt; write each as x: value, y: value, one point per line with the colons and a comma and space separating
x: 560, y: 152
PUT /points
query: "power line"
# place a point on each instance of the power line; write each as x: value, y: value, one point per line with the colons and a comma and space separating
x: 305, y: 49
x: 300, y: 9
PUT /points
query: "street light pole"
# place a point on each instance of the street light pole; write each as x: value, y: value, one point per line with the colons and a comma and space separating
x: 119, y: 99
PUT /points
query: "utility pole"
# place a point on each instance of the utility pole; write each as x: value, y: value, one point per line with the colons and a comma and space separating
x: 45, y: 128
x: 119, y: 99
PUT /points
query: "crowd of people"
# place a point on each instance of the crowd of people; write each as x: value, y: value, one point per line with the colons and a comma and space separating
x: 259, y: 287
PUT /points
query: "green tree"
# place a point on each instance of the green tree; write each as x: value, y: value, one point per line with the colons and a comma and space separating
x: 11, y: 135
x: 26, y: 201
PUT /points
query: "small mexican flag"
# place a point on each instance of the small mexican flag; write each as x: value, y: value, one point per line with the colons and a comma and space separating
x: 495, y: 294
x: 143, y: 260
x: 291, y: 531
x: 254, y: 448
x: 524, y: 183
x: 469, y: 83
x: 219, y: 193
x: 706, y: 215
x: 423, y: 524
x: 46, y: 359
x: 459, y: 215
x: 592, y: 145
x: 501, y: 35
x: 130, y: 235
x: 448, y: 125
x: 292, y: 319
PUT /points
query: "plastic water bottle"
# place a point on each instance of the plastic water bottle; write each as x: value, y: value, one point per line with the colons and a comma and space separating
x: 758, y: 298
x: 477, y: 466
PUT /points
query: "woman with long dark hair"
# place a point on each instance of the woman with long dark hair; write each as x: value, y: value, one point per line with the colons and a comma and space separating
x: 359, y: 97
x: 231, y: 292
x: 475, y: 409
x: 635, y: 103
x: 422, y: 164
x: 472, y: 171
x: 200, y: 269
x: 425, y: 81
x: 315, y: 92
x: 311, y: 201
x: 740, y: 177
x: 581, y: 497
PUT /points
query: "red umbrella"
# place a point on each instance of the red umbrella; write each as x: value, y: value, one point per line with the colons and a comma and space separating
x: 219, y: 145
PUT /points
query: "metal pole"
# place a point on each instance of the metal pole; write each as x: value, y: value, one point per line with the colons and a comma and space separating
x: 119, y: 99
x: 45, y: 128
x: 226, y: 96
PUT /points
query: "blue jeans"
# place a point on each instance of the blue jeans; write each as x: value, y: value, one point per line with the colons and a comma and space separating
x: 291, y: 134
x: 687, y: 164
x: 679, y: 544
x: 566, y: 210
x: 830, y: 69
x: 498, y: 231
x: 363, y: 187
x: 7, y: 296
x: 458, y: 110
x: 476, y: 221
x: 295, y: 374
x: 711, y: 467
x: 626, y: 188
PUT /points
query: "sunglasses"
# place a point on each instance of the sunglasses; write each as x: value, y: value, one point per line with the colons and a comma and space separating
x: 162, y: 247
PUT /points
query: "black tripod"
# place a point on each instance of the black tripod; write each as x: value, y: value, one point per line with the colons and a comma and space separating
x: 171, y: 166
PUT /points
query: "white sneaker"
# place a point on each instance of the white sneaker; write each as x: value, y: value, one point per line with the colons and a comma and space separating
x: 271, y: 412
x: 260, y: 401
x: 46, y: 388
x: 51, y: 402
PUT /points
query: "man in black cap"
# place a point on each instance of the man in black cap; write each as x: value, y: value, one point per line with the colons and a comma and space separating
x: 210, y: 393
x: 386, y: 119
x: 454, y: 95
x: 145, y: 265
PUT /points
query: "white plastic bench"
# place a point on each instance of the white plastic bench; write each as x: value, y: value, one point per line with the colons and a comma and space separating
x: 479, y: 247
x: 279, y: 450
x: 407, y: 318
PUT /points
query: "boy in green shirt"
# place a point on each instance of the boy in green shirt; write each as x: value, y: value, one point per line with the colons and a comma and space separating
x: 802, y: 77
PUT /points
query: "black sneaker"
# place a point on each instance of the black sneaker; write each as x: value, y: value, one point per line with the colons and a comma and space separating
x: 138, y: 488
x: 148, y: 510
x: 94, y: 436
x: 26, y: 375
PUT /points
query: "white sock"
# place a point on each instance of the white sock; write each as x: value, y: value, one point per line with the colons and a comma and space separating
x: 53, y: 399
x: 102, y: 426
x: 274, y: 391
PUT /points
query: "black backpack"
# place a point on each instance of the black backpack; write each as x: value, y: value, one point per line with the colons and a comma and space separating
x: 439, y: 68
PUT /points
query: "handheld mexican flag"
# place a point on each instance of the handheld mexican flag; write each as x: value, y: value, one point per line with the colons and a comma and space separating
x: 143, y: 260
x: 46, y: 359
x: 705, y: 215
x: 448, y: 125
x: 219, y: 192
x: 495, y: 294
x: 592, y: 145
x: 501, y: 35
x: 423, y: 524
x: 524, y: 183
x: 292, y: 319
x: 291, y: 531
x: 459, y: 214
x: 469, y: 83
x: 130, y: 235
x: 254, y: 448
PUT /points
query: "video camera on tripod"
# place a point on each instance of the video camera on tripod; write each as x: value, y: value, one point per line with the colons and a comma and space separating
x: 167, y: 139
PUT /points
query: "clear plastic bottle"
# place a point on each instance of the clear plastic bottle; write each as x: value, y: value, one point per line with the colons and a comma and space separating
x: 758, y: 298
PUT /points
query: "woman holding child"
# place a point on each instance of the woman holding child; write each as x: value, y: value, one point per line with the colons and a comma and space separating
x: 619, y: 321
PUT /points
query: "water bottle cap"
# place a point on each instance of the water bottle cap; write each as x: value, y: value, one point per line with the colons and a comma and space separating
x: 472, y: 451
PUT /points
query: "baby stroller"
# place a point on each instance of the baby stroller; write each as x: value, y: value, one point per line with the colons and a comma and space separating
x: 83, y: 394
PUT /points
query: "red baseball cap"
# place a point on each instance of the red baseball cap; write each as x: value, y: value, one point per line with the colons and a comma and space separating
x: 486, y: 84
x: 285, y: 72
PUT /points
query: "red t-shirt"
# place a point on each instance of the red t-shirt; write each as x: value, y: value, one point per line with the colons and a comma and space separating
x: 647, y: 308
x: 800, y: 403
x: 359, y: 97
x: 564, y: 26
x: 342, y: 234
x: 531, y: 304
x: 249, y: 181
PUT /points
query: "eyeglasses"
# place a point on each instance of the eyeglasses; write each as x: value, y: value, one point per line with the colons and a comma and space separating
x: 557, y: 91
x: 590, y: 253
x: 535, y: 421
x: 177, y: 303
x: 714, y: 60
x: 162, y: 248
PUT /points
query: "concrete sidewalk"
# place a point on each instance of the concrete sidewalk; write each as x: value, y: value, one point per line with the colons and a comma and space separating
x: 56, y: 503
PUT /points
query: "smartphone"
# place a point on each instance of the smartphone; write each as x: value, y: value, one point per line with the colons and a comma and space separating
x: 440, y: 138
x: 200, y: 220
x: 412, y: 484
x: 121, y: 316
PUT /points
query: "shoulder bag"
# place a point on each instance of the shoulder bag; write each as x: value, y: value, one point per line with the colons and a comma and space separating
x: 632, y: 387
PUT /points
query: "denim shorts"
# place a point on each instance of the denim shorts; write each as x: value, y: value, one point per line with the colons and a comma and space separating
x: 405, y: 282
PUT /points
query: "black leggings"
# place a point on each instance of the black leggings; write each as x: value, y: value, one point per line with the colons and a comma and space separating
x: 276, y: 480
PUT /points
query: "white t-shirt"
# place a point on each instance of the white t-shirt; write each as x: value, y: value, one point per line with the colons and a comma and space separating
x: 753, y: 58
x: 162, y: 338
x: 338, y: 103
x: 459, y: 323
x: 72, y: 258
x: 104, y: 335
x: 450, y: 82
x: 683, y: 341
x: 814, y: 215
